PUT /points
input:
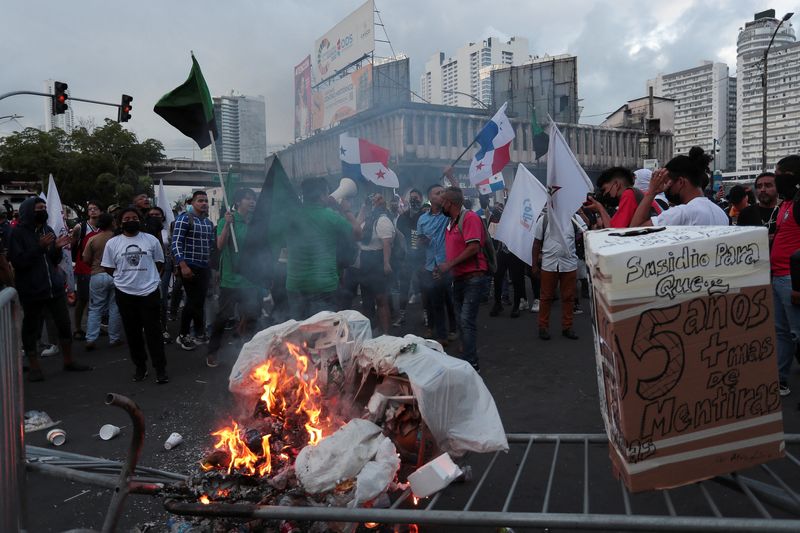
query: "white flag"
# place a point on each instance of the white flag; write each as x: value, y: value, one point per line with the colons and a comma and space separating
x: 55, y: 219
x: 161, y: 201
x: 525, y: 201
x: 55, y: 211
x: 567, y: 184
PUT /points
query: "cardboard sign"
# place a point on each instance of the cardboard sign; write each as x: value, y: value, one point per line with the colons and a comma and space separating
x: 687, y: 358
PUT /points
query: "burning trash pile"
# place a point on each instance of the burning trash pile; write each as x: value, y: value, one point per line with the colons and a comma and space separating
x: 330, y: 413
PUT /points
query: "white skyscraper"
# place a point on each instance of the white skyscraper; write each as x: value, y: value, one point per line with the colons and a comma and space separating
x: 783, y: 92
x: 469, y: 71
x: 242, y: 129
x: 701, y: 97
x: 64, y: 121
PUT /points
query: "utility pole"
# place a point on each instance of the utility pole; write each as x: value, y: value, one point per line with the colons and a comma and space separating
x: 650, y: 113
x: 786, y: 17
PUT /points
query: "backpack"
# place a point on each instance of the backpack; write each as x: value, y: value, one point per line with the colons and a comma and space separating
x: 487, y: 247
x: 399, y: 250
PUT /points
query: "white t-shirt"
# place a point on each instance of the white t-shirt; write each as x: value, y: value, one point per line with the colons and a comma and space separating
x: 698, y: 212
x: 134, y: 262
x: 384, y: 229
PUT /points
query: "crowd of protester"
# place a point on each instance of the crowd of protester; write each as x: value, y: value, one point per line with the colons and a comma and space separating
x: 133, y: 275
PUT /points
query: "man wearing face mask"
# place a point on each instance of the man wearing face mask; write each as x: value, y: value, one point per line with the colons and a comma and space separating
x: 154, y: 225
x: 35, y: 253
x: 617, y: 192
x: 415, y: 256
x: 135, y: 259
x: 681, y: 180
x: 787, y: 242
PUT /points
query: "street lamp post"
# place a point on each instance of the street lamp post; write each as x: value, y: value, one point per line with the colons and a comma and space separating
x: 786, y: 17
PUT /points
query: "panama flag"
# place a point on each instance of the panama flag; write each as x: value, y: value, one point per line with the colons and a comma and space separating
x: 494, y: 141
x: 493, y: 184
x: 362, y: 159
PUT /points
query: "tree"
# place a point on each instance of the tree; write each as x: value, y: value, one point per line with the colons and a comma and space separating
x: 107, y: 163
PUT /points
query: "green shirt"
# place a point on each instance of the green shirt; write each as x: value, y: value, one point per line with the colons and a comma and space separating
x: 311, y: 246
x: 229, y: 259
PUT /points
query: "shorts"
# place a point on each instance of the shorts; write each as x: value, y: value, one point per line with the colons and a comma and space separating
x: 371, y: 276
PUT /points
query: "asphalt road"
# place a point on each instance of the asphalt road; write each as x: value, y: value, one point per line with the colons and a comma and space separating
x: 539, y: 387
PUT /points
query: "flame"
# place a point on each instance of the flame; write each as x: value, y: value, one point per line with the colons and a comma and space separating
x: 204, y: 499
x: 416, y: 500
x: 289, y: 391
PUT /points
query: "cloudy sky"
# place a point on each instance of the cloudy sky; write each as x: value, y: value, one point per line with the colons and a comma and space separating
x: 104, y: 48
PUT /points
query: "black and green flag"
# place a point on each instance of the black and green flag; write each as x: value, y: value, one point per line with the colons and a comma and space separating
x: 189, y: 108
x: 541, y: 140
x: 270, y: 226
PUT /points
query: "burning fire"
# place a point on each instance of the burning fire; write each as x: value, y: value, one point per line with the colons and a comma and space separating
x: 204, y: 500
x: 291, y: 398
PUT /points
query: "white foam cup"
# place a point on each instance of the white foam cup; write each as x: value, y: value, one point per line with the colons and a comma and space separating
x: 173, y: 441
x: 109, y: 431
x: 56, y: 437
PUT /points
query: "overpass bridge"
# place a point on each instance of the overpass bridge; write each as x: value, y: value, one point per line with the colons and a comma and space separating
x: 203, y: 174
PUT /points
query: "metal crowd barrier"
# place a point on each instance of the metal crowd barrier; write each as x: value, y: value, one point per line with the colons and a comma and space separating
x: 12, y: 445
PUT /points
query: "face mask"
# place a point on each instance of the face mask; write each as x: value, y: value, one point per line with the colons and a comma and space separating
x: 130, y: 226
x: 153, y: 224
x: 415, y: 204
x: 607, y: 200
x: 40, y: 217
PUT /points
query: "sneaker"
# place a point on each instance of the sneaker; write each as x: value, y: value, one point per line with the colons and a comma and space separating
x: 784, y: 389
x: 544, y: 334
x: 202, y: 339
x: 139, y: 375
x: 50, y: 351
x: 535, y: 306
x: 577, y: 310
x: 162, y: 377
x: 400, y: 320
x: 523, y: 304
x: 211, y: 361
x: 414, y: 299
x: 186, y: 342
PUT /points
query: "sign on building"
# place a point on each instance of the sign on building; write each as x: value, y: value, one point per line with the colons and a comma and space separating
x: 346, y: 42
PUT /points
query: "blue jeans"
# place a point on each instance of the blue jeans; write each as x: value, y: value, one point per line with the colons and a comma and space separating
x: 102, y: 301
x: 467, y: 298
x: 787, y: 324
x: 303, y: 305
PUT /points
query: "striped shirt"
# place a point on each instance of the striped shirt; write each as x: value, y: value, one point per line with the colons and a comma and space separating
x: 192, y: 242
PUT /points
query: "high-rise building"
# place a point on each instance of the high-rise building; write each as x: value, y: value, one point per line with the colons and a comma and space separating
x: 64, y: 121
x: 730, y: 140
x: 783, y: 92
x: 701, y: 97
x: 465, y: 79
x: 241, y: 129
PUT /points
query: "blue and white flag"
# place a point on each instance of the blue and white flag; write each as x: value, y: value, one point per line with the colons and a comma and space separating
x: 492, y: 185
x: 362, y: 159
x: 494, y: 141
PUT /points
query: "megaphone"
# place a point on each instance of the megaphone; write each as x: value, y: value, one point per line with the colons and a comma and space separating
x: 347, y: 189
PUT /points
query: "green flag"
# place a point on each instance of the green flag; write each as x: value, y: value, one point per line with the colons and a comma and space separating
x: 189, y: 108
x: 270, y: 225
x: 231, y: 184
x: 541, y: 140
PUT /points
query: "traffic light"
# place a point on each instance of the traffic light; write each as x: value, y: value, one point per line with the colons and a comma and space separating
x: 60, y: 98
x: 124, y: 113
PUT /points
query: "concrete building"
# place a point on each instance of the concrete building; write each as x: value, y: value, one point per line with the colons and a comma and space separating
x: 65, y: 121
x: 445, y: 77
x: 241, y: 129
x: 783, y: 92
x: 730, y: 139
x: 636, y: 113
x: 701, y: 107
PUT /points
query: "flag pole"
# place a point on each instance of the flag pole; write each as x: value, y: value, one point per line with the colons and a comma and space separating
x: 224, y: 191
x: 454, y: 163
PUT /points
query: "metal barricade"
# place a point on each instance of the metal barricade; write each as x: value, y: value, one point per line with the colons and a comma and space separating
x: 12, y: 445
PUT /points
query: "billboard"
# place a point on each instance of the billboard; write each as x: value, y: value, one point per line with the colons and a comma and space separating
x: 302, y: 98
x: 344, y: 43
x: 342, y: 98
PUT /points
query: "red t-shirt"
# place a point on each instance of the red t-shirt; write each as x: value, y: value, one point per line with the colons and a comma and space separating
x: 81, y: 266
x: 787, y: 240
x: 455, y: 243
x: 627, y: 207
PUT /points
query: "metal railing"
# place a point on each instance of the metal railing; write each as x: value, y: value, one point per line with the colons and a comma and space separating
x: 12, y: 445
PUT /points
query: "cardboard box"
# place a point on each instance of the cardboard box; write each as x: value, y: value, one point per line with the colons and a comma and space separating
x: 686, y: 352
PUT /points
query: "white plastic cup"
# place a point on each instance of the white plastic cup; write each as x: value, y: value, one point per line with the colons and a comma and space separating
x: 173, y: 441
x: 56, y: 437
x: 109, y: 431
